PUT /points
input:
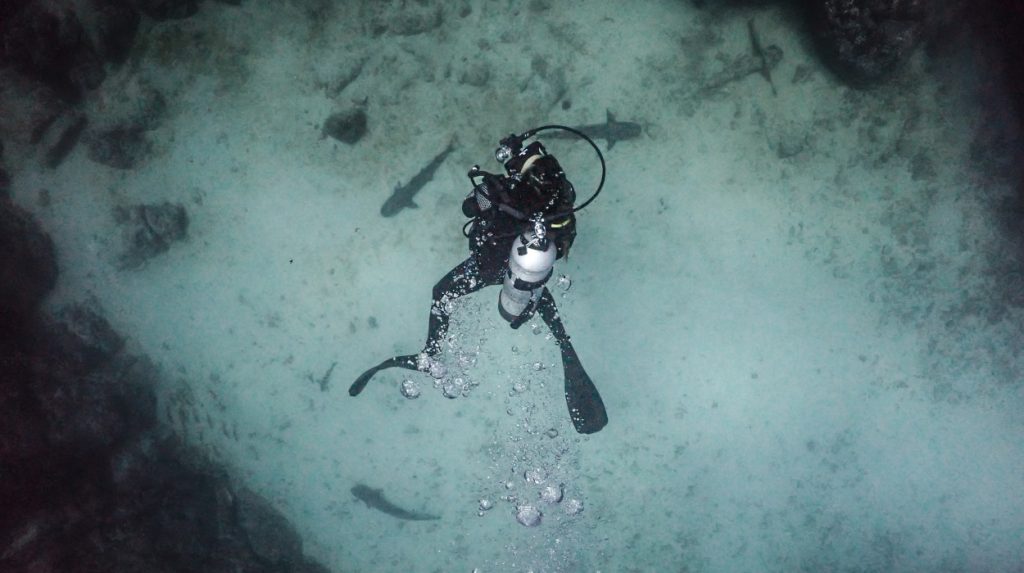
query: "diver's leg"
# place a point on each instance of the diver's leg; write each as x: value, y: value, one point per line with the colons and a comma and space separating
x: 586, y: 409
x: 471, y: 275
x: 479, y: 270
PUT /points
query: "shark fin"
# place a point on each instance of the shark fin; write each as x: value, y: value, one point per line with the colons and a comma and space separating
x: 413, y: 204
x: 611, y: 116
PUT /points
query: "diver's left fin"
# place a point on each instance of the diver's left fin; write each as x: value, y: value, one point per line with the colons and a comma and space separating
x: 408, y: 362
x: 586, y: 409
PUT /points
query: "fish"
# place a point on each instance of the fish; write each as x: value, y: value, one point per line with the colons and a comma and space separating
x: 401, y: 197
x: 611, y: 131
x: 761, y: 61
x: 374, y: 499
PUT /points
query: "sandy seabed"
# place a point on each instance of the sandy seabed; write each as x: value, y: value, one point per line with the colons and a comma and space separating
x: 809, y: 359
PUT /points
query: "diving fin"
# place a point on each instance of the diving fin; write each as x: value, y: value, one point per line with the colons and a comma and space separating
x: 408, y: 362
x: 586, y: 409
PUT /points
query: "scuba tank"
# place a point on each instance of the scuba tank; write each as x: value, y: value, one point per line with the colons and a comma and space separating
x: 533, y: 174
x: 530, y: 264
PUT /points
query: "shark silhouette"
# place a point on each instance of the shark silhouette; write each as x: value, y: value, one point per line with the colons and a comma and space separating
x: 611, y: 131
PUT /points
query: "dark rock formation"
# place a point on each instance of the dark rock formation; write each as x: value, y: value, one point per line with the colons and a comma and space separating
x: 62, y: 137
x: 90, y: 480
x: 81, y: 338
x: 168, y: 9
x: 270, y: 536
x: 5, y: 179
x: 112, y: 25
x: 28, y: 109
x: 346, y: 126
x: 864, y: 40
x: 150, y: 230
x: 28, y: 265
x: 120, y: 147
x: 46, y: 41
x: 131, y: 108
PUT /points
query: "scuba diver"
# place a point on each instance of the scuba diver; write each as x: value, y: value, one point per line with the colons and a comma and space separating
x: 520, y: 224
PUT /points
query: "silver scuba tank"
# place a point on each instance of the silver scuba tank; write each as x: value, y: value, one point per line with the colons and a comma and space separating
x: 529, y: 266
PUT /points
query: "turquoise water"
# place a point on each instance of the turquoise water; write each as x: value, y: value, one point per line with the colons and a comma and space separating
x: 799, y: 307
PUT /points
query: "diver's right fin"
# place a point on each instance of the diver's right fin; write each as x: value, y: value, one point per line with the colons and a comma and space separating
x: 408, y: 362
x: 586, y: 409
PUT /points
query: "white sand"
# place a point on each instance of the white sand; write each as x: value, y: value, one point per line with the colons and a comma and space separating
x: 788, y: 389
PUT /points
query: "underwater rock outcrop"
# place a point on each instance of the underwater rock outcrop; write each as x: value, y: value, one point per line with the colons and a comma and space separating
x: 90, y: 479
x: 28, y: 265
x: 47, y: 41
x: 51, y: 54
x: 120, y: 147
x: 347, y: 126
x: 168, y: 9
x: 864, y: 40
x: 150, y: 230
x: 5, y: 179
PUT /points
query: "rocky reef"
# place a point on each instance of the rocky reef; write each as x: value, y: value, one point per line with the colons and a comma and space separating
x: 89, y: 480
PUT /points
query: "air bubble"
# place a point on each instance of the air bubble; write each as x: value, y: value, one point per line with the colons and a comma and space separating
x: 573, y: 506
x: 528, y: 515
x: 451, y: 390
x: 437, y: 370
x: 410, y: 389
x: 551, y: 494
x: 535, y: 476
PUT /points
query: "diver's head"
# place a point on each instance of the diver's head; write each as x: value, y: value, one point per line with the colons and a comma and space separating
x: 531, y: 169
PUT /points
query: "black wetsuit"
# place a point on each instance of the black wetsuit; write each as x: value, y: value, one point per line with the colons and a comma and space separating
x: 490, y: 241
x: 542, y: 189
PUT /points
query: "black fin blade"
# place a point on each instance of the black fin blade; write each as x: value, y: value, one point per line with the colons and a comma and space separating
x: 407, y: 361
x: 586, y: 409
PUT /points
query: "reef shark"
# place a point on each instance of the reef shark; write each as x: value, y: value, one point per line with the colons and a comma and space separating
x: 610, y: 131
x: 401, y: 197
x: 762, y: 60
x: 374, y: 499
